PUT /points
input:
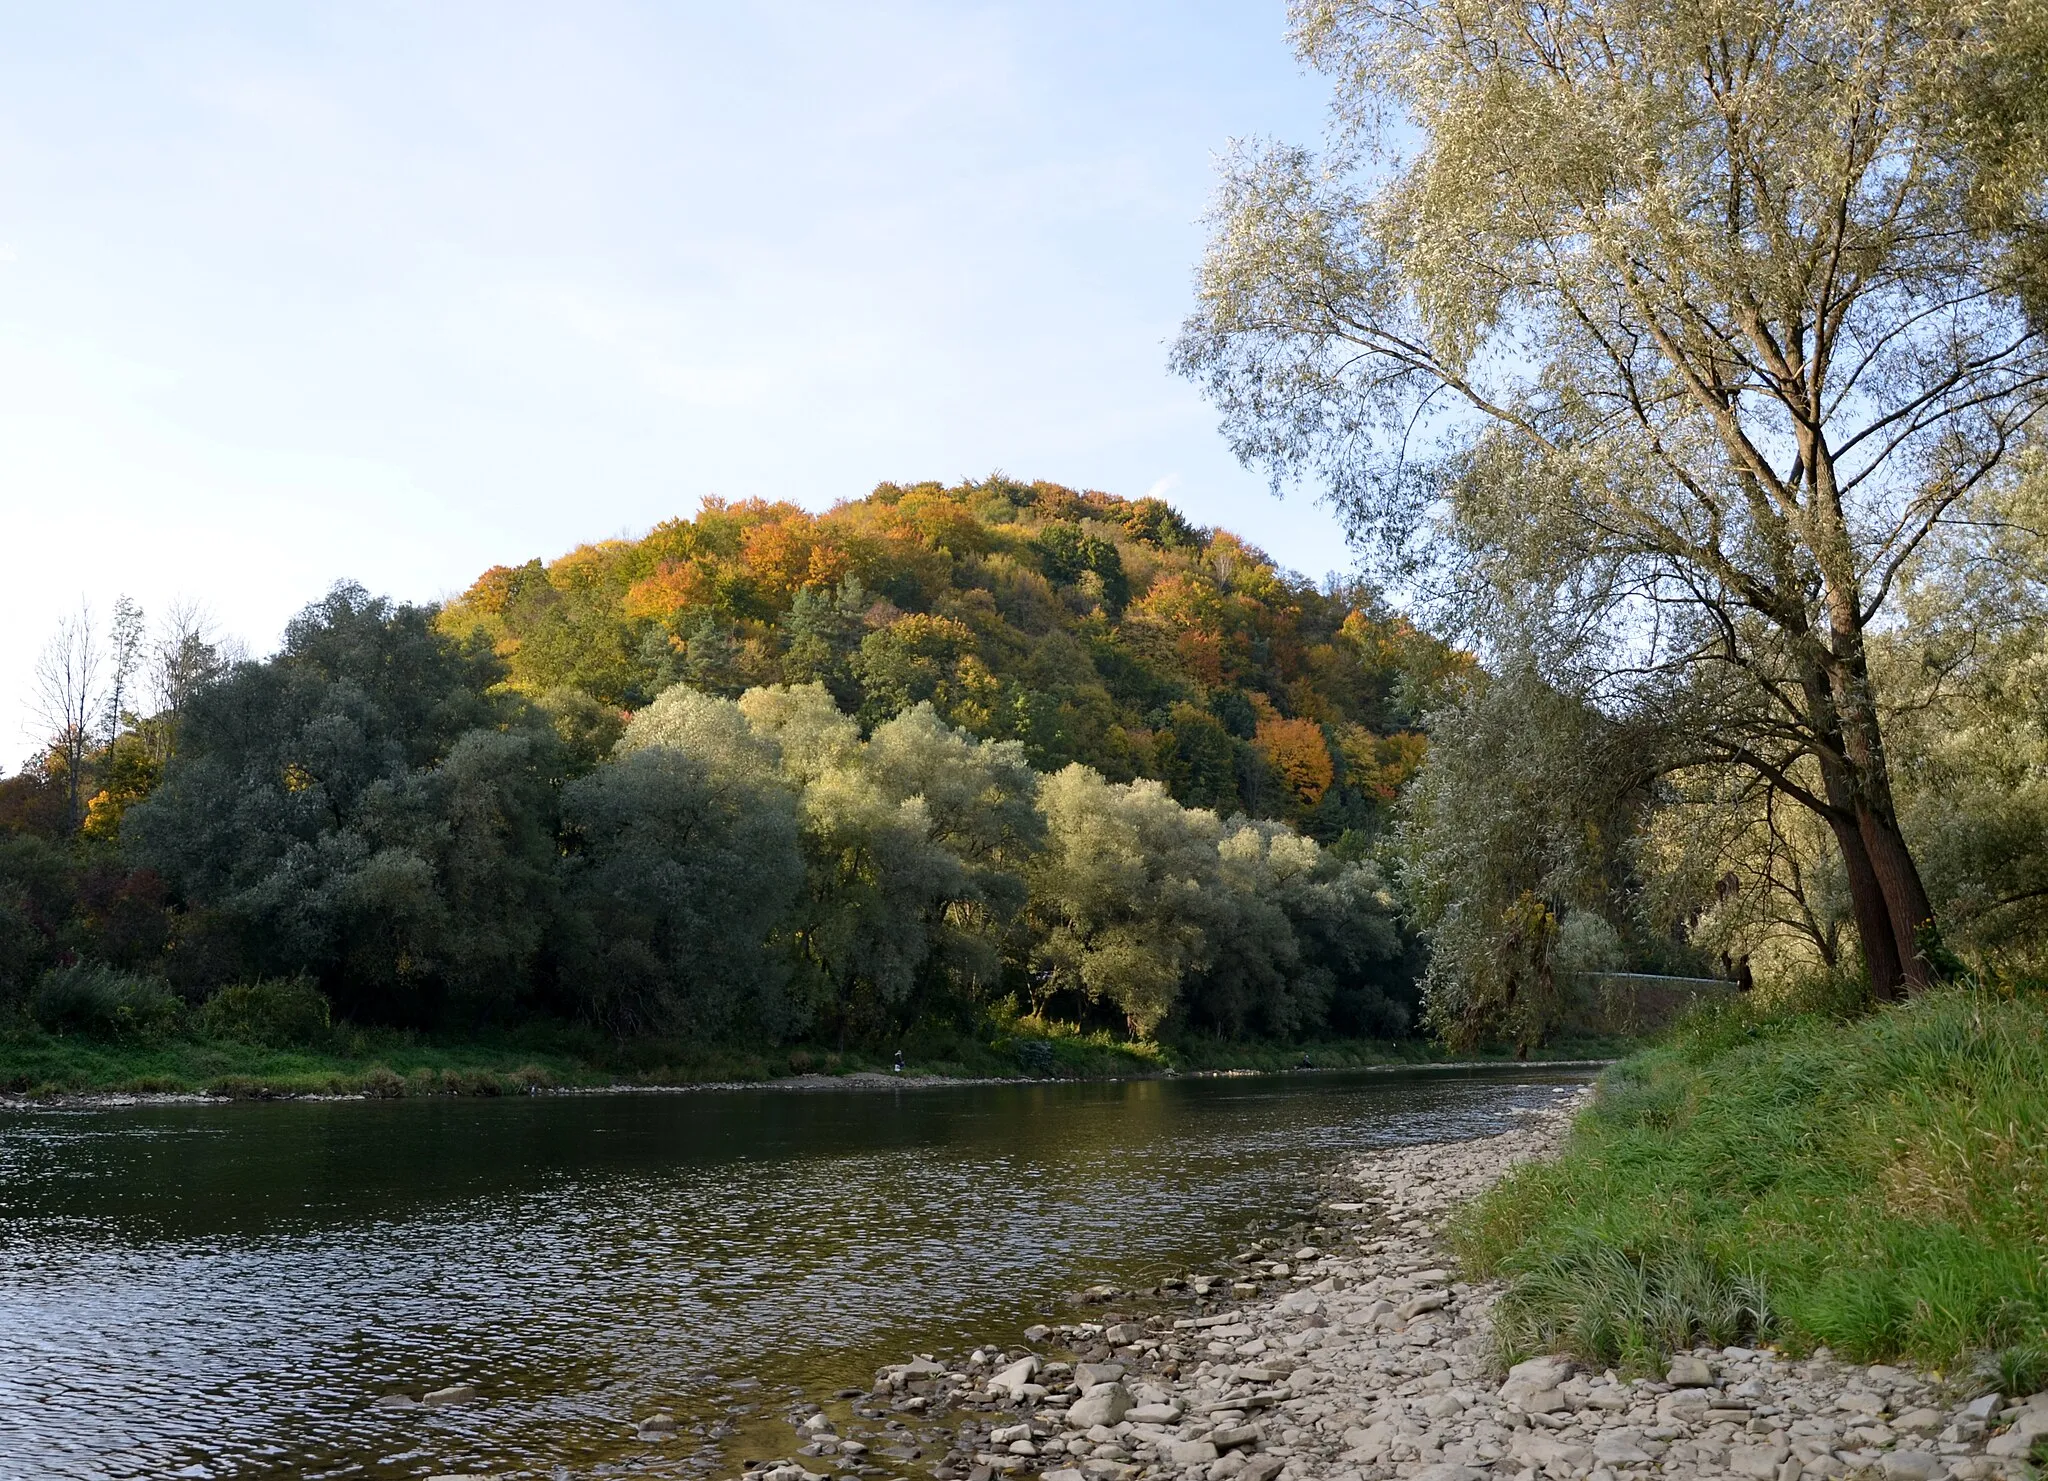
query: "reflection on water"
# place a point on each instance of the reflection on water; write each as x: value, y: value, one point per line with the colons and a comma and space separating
x: 223, y: 1290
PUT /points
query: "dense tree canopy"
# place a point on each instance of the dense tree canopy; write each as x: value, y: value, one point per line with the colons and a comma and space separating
x: 1666, y: 339
x: 407, y: 810
x: 1082, y: 626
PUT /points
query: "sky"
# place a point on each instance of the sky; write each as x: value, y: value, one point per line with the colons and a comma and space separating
x: 292, y: 294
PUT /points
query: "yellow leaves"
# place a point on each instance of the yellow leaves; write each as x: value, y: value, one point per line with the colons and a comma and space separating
x: 103, y: 817
x: 1381, y: 764
x: 1296, y: 752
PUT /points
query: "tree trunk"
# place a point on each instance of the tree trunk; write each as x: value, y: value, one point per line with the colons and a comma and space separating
x: 1904, y: 893
x: 1877, y: 822
x: 1873, y: 913
x: 1868, y: 899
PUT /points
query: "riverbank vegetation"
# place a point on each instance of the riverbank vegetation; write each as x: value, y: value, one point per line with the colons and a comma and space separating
x: 1748, y: 539
x: 414, y: 819
x: 1690, y: 364
x: 1725, y: 564
x: 394, y: 1063
x: 1789, y: 1172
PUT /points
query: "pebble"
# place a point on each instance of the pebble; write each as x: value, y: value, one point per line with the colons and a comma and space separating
x: 1372, y: 1362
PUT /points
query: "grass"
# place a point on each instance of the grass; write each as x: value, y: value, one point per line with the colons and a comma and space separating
x: 352, y: 1061
x: 1874, y: 1183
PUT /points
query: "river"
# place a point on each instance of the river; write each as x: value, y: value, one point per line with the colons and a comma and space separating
x: 223, y: 1290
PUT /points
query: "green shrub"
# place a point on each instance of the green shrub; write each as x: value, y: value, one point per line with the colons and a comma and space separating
x: 103, y: 1002
x: 277, y: 1012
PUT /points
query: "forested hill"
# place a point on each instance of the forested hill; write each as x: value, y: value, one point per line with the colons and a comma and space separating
x: 1090, y: 628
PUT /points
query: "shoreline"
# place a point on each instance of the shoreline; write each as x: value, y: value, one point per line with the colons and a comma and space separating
x: 1370, y: 1360
x: 858, y: 1081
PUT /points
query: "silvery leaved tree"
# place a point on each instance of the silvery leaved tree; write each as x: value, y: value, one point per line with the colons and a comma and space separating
x: 1671, y: 332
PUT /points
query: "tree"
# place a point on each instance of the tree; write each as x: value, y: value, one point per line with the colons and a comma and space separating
x: 69, y: 694
x: 125, y: 637
x: 683, y: 868
x: 1120, y: 893
x: 1672, y: 327
x: 363, y: 808
x: 183, y: 658
x: 1518, y: 821
x: 891, y: 900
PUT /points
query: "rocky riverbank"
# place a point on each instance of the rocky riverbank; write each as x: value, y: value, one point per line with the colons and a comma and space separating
x: 1363, y: 1357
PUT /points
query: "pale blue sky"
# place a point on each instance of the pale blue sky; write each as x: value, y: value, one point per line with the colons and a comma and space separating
x: 395, y: 292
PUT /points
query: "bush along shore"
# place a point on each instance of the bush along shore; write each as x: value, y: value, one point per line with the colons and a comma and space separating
x: 1374, y: 1355
x: 269, y: 1057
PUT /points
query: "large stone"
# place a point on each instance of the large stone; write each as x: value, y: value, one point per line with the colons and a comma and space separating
x: 1301, y: 1303
x: 1155, y: 1414
x: 1861, y: 1401
x: 1621, y: 1447
x: 1261, y: 1468
x: 1760, y: 1461
x: 1104, y: 1404
x: 1014, y: 1377
x: 455, y: 1393
x: 1536, y: 1376
x: 1538, y: 1449
x: 1232, y: 1436
x: 1369, y: 1443
x: 1087, y: 1375
x: 1065, y: 1474
x: 1190, y: 1452
x: 1448, y: 1471
x: 1427, y: 1301
x: 2030, y: 1426
x: 1685, y: 1405
x: 1689, y: 1372
x: 1910, y: 1465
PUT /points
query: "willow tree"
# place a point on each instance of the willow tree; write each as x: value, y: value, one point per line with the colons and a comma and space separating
x: 1676, y: 324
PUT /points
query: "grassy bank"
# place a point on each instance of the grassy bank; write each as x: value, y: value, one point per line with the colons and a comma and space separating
x: 1875, y: 1183
x: 381, y: 1062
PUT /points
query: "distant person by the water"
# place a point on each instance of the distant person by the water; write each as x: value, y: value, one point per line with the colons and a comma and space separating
x: 899, y: 1061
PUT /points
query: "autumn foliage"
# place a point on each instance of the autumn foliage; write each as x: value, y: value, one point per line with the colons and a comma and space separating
x: 1087, y: 627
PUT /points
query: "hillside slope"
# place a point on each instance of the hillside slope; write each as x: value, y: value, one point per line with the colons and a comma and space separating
x: 1089, y: 627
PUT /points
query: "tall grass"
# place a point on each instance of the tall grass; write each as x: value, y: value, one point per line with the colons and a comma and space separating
x: 1876, y: 1183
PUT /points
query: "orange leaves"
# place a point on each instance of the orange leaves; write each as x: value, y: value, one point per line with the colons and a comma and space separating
x: 1070, y: 620
x: 1298, y: 756
x: 788, y: 554
x: 671, y: 589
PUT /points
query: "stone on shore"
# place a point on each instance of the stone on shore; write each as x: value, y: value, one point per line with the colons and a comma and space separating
x: 1014, y: 1377
x: 1377, y: 1364
x: 1104, y: 1404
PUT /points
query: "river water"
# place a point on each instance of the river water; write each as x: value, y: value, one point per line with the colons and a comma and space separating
x: 223, y: 1290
